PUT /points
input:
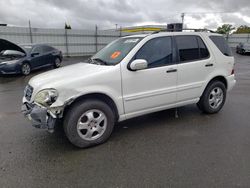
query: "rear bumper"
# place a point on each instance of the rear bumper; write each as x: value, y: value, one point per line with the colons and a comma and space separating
x: 39, y: 116
x: 230, y: 82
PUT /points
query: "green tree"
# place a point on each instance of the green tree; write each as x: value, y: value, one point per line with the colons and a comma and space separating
x: 243, y: 29
x: 225, y: 29
x: 67, y: 26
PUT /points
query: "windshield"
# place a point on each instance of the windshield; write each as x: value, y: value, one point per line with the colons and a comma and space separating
x: 27, y: 48
x: 114, y: 52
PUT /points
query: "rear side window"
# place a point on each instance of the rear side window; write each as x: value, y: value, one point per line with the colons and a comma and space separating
x: 222, y: 45
x: 203, y: 49
x: 191, y: 48
x: 157, y: 52
x: 47, y: 49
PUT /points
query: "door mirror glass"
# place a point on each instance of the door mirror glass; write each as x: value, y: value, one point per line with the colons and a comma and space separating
x: 138, y: 64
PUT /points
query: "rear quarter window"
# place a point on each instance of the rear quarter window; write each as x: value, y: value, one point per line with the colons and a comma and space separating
x: 222, y: 45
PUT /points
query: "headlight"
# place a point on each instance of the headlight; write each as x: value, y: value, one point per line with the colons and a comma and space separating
x: 46, y: 97
x: 11, y: 62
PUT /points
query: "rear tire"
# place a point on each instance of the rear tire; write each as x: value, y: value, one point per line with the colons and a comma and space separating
x: 25, y: 69
x: 89, y: 123
x: 213, y: 98
x: 57, y: 63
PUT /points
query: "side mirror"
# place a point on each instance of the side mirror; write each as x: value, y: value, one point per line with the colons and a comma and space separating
x: 138, y: 64
x: 34, y: 54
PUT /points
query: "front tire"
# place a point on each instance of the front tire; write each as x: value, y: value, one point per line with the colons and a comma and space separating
x: 25, y: 69
x: 89, y: 123
x: 213, y: 98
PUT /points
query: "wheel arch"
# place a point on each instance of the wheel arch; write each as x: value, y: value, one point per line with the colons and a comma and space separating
x: 98, y: 96
x: 26, y: 61
x: 23, y: 62
x: 219, y: 78
x: 216, y: 78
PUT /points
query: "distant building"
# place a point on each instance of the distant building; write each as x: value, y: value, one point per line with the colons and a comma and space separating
x: 145, y: 28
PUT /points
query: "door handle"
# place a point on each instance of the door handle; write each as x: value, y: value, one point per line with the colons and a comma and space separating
x: 171, y: 70
x: 209, y: 65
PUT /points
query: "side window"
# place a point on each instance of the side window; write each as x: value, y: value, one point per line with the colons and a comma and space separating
x: 203, y: 49
x: 37, y: 49
x: 222, y: 45
x: 188, y: 48
x: 157, y: 52
x: 47, y: 49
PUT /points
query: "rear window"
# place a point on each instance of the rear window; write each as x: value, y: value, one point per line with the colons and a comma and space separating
x: 222, y: 45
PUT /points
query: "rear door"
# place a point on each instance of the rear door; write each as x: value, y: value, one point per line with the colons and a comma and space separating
x: 194, y: 66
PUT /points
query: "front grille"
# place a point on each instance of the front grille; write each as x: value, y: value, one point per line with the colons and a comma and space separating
x: 28, y: 91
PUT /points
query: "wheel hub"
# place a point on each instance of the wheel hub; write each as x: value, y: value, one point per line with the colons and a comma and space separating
x: 216, y: 98
x: 92, y: 124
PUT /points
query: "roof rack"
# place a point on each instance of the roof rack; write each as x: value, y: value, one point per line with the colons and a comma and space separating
x: 187, y: 29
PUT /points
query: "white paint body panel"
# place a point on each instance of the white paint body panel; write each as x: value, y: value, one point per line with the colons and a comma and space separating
x: 139, y: 92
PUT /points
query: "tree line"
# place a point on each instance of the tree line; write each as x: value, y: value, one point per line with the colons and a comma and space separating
x: 228, y: 29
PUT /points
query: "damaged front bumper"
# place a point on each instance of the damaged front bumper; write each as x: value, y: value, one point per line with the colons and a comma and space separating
x: 40, y: 116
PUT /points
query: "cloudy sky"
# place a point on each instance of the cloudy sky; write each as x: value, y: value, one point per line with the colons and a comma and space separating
x: 84, y: 14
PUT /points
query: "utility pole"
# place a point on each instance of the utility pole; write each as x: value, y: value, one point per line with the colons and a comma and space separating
x: 182, y: 19
x: 31, y: 38
x: 96, y: 38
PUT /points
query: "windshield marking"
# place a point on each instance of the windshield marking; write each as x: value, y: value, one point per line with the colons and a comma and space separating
x: 115, y: 55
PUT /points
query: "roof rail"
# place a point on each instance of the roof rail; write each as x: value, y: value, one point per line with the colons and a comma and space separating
x: 187, y: 29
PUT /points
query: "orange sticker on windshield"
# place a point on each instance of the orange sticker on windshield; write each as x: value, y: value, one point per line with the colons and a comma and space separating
x: 115, y: 55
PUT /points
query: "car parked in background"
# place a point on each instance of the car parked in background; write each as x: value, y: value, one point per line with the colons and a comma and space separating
x: 22, y: 59
x: 243, y: 48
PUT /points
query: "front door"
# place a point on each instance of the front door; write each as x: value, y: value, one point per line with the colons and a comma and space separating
x: 37, y: 59
x: 153, y: 88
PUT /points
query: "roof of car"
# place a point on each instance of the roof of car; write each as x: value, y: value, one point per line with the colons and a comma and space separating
x: 165, y: 33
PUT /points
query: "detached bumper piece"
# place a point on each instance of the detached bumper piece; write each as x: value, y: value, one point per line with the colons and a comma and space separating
x: 39, y: 117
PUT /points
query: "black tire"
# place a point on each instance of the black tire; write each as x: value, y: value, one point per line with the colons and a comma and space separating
x: 74, y: 115
x: 25, y: 69
x: 209, y: 107
x: 57, y: 62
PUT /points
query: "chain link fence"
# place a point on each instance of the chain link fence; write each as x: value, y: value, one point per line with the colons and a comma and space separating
x: 70, y: 42
x: 79, y: 42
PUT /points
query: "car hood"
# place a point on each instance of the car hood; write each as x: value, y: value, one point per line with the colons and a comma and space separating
x: 66, y: 75
x: 7, y: 45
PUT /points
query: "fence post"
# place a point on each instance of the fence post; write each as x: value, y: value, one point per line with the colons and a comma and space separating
x: 120, y: 31
x: 66, y: 42
x: 96, y: 38
x: 31, y: 38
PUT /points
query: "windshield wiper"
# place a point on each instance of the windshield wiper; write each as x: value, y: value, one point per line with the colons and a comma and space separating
x: 100, y: 61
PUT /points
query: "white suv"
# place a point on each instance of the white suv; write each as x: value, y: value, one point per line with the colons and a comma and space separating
x: 131, y: 76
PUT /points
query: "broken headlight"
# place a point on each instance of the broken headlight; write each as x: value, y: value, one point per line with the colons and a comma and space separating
x: 46, y: 97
